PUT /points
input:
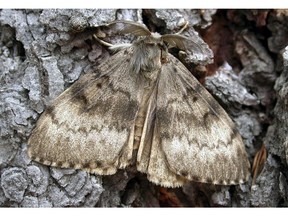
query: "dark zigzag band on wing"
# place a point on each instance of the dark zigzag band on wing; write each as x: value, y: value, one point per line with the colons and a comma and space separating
x: 196, y: 134
x: 78, y: 137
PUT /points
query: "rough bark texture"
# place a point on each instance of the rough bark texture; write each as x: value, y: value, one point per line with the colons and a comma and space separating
x: 43, y: 51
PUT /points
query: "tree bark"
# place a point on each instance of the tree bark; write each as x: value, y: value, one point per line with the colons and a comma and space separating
x: 42, y: 52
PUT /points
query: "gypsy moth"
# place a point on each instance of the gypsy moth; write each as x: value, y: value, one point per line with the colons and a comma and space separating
x: 142, y: 99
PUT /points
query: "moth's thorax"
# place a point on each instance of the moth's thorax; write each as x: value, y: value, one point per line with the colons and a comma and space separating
x: 149, y: 53
x: 147, y: 60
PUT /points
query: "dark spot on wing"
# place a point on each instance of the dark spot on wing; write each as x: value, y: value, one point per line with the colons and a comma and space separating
x: 195, y: 178
x: 104, y: 170
x: 33, y: 157
x: 97, y: 75
x: 185, y: 96
x: 99, y: 85
x: 174, y: 69
x: 81, y: 98
x: 234, y: 133
x: 126, y: 52
x: 220, y: 181
x: 237, y: 181
x: 60, y: 163
x: 239, y: 151
x: 209, y: 180
x: 198, y: 88
x: 205, y: 116
x: 50, y: 112
x: 183, y: 173
x: 105, y: 77
x: 209, y: 117
x: 77, y: 93
x: 98, y: 164
x: 41, y: 160
x: 83, y: 130
x: 86, y: 165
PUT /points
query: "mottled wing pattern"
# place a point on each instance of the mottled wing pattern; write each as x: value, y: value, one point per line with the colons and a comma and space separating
x: 91, y: 125
x: 192, y: 138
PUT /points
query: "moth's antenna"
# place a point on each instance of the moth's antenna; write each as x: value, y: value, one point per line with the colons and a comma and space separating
x: 113, y: 47
x: 185, y: 26
x: 129, y: 27
x: 176, y: 40
x: 182, y: 42
x: 104, y: 43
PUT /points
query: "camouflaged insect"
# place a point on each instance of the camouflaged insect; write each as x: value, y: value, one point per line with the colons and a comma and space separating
x: 143, y: 103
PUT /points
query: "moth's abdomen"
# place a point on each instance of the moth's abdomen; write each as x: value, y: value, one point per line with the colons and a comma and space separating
x: 139, y: 127
x: 141, y: 118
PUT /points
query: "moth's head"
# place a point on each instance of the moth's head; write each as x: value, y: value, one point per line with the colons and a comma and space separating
x: 151, y: 49
x: 154, y: 40
x: 144, y: 35
x: 149, y: 53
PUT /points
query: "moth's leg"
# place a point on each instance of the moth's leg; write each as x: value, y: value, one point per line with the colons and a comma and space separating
x: 183, y: 28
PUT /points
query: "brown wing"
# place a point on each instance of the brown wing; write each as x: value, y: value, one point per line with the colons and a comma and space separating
x: 192, y: 138
x: 91, y: 125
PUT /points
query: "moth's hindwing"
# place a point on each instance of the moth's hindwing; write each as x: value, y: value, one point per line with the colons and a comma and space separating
x: 91, y: 125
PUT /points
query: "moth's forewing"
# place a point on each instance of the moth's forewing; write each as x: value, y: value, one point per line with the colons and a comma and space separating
x: 89, y: 126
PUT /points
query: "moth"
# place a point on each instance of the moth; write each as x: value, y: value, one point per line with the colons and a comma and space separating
x: 142, y: 107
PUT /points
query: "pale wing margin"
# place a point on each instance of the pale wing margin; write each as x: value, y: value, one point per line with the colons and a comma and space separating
x: 198, y: 139
x: 91, y: 125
